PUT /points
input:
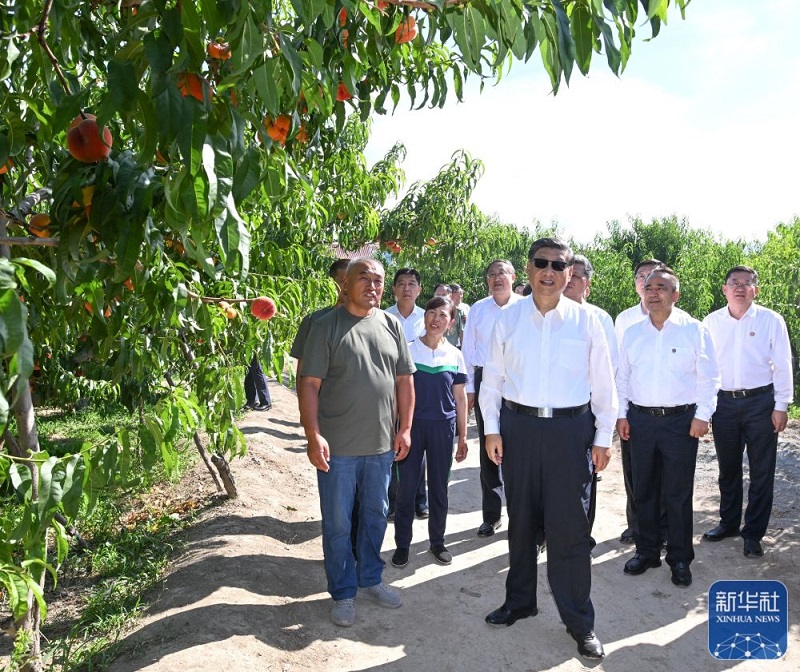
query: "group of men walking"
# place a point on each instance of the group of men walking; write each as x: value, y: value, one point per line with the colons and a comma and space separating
x: 550, y: 380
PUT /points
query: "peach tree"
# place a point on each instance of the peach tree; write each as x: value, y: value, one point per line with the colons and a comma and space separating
x: 180, y: 153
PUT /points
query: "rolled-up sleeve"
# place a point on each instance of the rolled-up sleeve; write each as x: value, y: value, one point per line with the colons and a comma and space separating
x: 708, y: 376
x: 491, y: 394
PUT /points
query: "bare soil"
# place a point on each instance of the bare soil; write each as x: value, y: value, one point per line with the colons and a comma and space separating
x: 249, y: 593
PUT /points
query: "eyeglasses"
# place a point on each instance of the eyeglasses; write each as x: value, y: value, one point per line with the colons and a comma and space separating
x: 740, y: 285
x: 557, y: 266
x: 497, y: 274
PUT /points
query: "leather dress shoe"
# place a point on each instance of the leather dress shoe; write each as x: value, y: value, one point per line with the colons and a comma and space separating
x: 422, y: 514
x: 752, y: 548
x: 627, y: 537
x: 719, y: 533
x: 639, y: 564
x: 681, y: 574
x: 502, y: 617
x: 588, y: 644
x: 487, y: 529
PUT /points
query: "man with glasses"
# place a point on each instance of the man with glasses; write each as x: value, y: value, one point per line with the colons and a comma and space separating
x: 356, y: 369
x: 626, y: 319
x: 549, y: 404
x: 756, y: 366
x: 667, y: 381
x: 499, y: 277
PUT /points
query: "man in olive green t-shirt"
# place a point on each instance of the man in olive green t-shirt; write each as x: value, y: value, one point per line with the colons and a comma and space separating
x: 356, y: 364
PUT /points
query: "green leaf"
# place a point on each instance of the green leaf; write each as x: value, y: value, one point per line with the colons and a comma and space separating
x: 581, y: 25
x: 13, y: 323
x: 265, y: 80
x: 123, y: 84
x: 39, y: 267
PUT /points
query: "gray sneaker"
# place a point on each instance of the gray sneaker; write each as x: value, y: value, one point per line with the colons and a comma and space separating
x: 343, y: 612
x: 382, y: 594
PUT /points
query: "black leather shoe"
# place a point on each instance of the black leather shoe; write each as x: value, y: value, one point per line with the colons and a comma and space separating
x: 627, y: 537
x: 502, y: 617
x: 639, y: 564
x: 719, y: 533
x: 487, y: 529
x: 752, y: 548
x: 588, y: 644
x: 422, y: 514
x: 681, y: 574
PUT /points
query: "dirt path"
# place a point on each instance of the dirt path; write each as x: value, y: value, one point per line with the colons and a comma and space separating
x: 249, y: 592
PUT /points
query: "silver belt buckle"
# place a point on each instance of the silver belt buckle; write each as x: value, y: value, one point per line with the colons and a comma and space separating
x: 739, y: 394
x: 544, y: 412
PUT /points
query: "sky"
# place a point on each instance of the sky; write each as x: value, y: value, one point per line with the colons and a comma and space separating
x: 703, y: 124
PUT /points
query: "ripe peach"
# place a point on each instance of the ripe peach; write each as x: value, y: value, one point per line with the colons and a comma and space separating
x: 128, y: 284
x: 263, y: 308
x: 342, y: 17
x: 406, y: 31
x: 219, y: 50
x: 278, y: 129
x: 86, y: 142
x: 39, y: 225
x: 8, y: 164
x: 191, y: 84
x: 231, y: 313
x: 342, y: 93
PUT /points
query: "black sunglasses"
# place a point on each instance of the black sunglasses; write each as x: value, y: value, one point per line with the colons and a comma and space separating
x: 558, y: 266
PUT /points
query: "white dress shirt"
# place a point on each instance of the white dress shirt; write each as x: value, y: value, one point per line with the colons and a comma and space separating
x: 608, y: 329
x: 673, y: 366
x: 753, y: 351
x: 413, y: 325
x: 475, y: 342
x: 633, y: 315
x: 557, y: 360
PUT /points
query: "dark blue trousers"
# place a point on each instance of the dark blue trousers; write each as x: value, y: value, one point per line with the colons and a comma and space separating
x: 741, y: 424
x: 663, y: 459
x: 255, y: 384
x: 491, y: 480
x: 434, y: 439
x: 547, y: 471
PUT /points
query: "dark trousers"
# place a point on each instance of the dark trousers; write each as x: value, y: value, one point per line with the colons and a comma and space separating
x: 255, y: 384
x: 547, y: 469
x: 630, y: 499
x: 421, y: 498
x: 491, y: 480
x: 627, y: 478
x: 663, y: 458
x: 434, y: 439
x: 739, y: 424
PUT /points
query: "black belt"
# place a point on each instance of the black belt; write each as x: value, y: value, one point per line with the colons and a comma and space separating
x: 546, y: 412
x: 741, y: 394
x: 661, y: 411
x: 478, y: 368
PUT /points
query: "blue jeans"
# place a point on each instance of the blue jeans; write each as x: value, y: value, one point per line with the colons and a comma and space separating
x: 369, y: 476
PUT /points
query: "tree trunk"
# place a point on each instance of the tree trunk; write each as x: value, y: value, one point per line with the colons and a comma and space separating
x: 225, y: 474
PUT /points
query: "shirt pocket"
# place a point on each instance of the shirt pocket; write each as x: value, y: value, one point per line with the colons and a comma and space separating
x: 681, y: 359
x: 573, y: 354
